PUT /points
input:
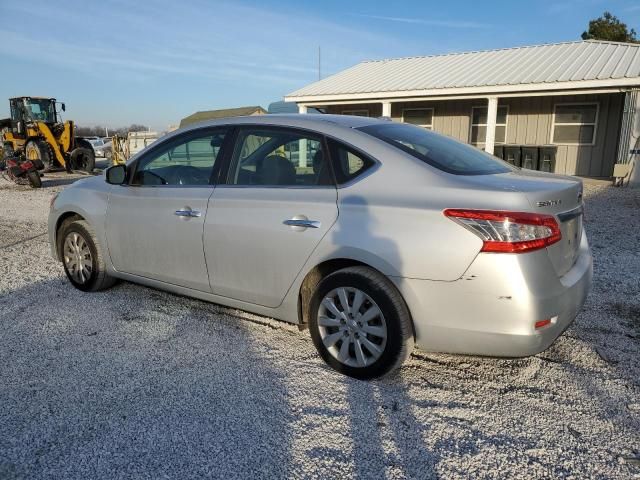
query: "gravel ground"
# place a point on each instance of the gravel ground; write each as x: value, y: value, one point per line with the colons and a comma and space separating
x: 137, y: 383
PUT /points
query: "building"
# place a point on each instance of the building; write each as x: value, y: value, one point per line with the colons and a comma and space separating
x: 227, y: 112
x: 577, y: 96
x: 287, y: 107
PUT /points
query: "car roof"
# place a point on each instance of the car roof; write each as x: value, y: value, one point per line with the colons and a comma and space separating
x: 307, y: 120
x: 321, y: 123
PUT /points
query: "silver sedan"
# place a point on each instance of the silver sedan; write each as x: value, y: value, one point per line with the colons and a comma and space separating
x: 374, y: 234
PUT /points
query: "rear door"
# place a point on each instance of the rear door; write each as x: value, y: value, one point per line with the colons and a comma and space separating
x: 278, y: 201
x: 155, y: 223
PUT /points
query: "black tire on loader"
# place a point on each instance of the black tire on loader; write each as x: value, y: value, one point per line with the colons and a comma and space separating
x: 83, y: 159
x: 38, y: 150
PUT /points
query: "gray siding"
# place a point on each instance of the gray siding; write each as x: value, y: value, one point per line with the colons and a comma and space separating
x: 375, y: 109
x: 529, y: 122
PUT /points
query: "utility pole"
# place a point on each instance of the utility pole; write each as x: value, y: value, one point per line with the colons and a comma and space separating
x: 319, y: 69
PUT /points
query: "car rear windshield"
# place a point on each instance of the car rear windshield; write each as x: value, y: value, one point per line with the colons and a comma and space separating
x: 437, y: 150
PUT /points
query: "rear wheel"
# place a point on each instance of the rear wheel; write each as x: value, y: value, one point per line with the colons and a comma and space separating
x: 83, y: 157
x: 34, y: 179
x: 82, y: 258
x: 38, y: 151
x: 360, y: 324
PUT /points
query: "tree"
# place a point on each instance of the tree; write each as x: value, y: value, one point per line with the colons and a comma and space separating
x: 609, y: 27
x: 96, y: 131
x: 137, y: 128
x: 99, y: 131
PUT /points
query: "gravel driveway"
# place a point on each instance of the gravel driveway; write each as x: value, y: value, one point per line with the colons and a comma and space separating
x: 137, y: 383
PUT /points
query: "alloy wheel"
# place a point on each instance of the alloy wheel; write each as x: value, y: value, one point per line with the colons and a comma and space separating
x: 77, y: 258
x: 352, y: 327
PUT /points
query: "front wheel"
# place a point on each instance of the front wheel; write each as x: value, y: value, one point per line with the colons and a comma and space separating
x: 38, y: 152
x: 82, y: 258
x: 360, y: 324
x: 34, y: 179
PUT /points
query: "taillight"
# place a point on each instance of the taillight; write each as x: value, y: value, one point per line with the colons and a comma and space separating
x: 542, y: 323
x: 508, y: 232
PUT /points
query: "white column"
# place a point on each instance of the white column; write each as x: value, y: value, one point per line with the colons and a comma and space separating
x: 302, y: 153
x: 302, y: 143
x: 492, y: 115
x: 386, y: 109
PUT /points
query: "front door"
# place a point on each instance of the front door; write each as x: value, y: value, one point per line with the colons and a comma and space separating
x: 278, y: 202
x: 155, y: 222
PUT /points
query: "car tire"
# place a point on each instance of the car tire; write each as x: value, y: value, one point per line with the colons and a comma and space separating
x: 354, y: 340
x: 78, y: 247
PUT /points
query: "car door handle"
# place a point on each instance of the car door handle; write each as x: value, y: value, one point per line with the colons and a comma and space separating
x: 304, y: 223
x: 188, y: 213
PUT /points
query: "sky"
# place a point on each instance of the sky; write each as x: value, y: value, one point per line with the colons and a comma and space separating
x: 153, y: 62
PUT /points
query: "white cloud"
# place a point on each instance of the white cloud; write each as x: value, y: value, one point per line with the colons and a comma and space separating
x: 431, y: 23
x: 223, y: 41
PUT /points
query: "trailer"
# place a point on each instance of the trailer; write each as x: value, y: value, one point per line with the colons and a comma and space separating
x: 124, y: 148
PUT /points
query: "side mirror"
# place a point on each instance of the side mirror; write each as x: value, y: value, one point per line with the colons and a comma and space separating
x: 64, y: 107
x: 116, y: 175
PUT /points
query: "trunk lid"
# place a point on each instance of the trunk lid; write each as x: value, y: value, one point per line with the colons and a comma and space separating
x: 562, y: 198
x: 551, y: 194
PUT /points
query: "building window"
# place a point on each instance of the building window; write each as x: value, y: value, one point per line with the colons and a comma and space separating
x: 357, y: 113
x: 479, y: 125
x: 574, y: 124
x: 422, y: 117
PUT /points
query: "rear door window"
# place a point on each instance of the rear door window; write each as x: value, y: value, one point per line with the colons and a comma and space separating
x: 279, y: 157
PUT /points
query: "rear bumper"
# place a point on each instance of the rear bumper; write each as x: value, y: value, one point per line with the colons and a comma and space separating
x: 493, y: 308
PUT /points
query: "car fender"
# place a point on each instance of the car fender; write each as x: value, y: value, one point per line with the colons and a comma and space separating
x: 87, y: 198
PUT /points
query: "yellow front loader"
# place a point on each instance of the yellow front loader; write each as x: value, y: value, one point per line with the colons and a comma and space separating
x: 36, y: 132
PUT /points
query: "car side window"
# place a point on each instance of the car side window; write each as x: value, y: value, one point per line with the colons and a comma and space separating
x: 189, y: 162
x: 347, y: 163
x: 279, y: 157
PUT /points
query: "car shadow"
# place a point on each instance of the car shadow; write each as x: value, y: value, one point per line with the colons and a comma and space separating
x: 48, y: 182
x: 387, y: 439
x: 133, y: 383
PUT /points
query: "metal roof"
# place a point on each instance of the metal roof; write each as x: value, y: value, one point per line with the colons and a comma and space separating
x: 551, y: 66
x: 226, y: 112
